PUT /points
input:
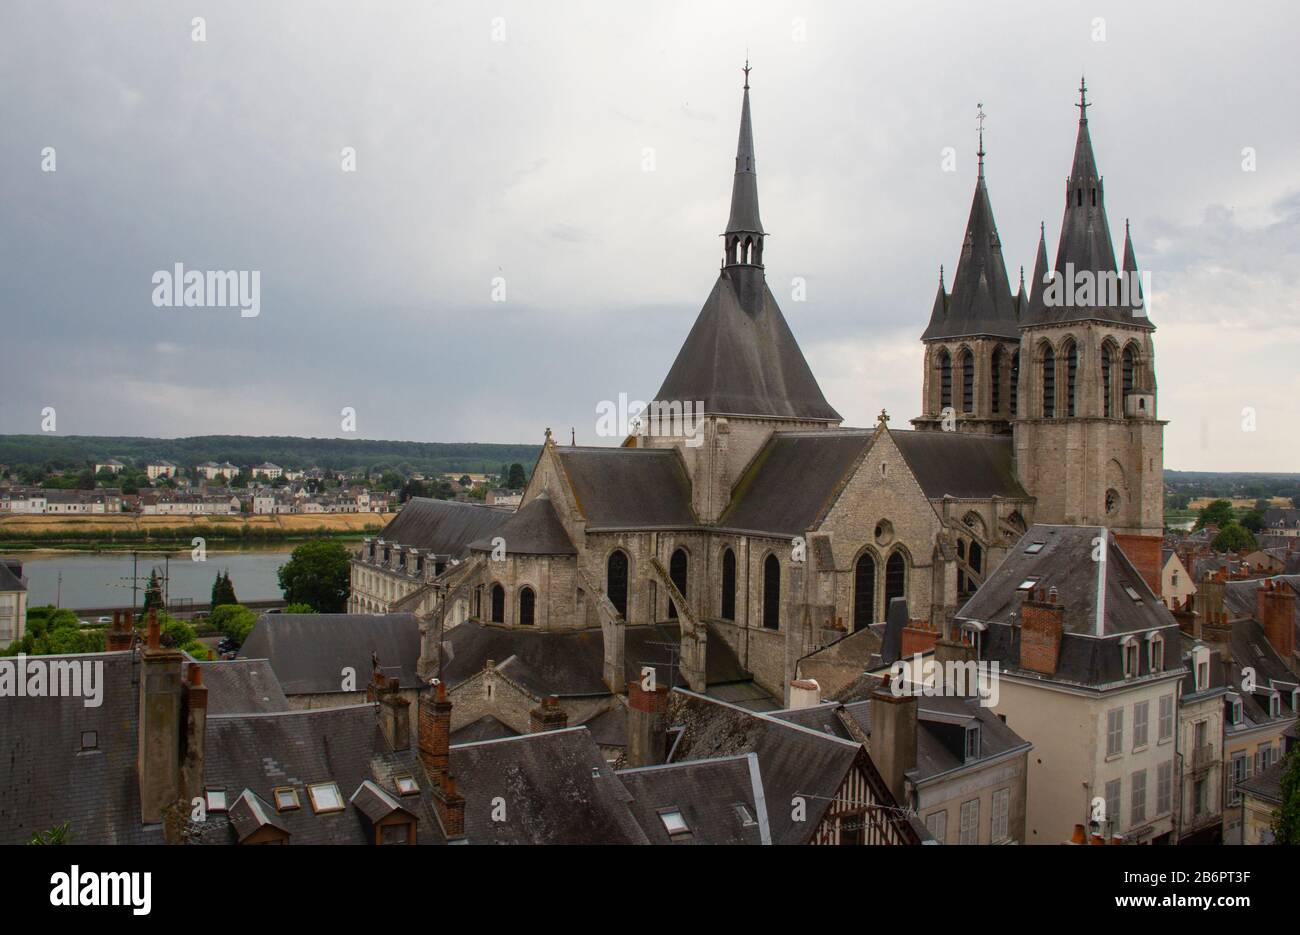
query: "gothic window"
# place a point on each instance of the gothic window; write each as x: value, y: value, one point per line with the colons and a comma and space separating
x: 967, y: 382
x: 976, y: 559
x: 895, y: 578
x: 1015, y: 381
x: 1049, y: 383
x: 728, y: 585
x: 864, y: 591
x: 478, y: 602
x: 498, y: 604
x: 616, y: 581
x: 527, y: 603
x: 772, y: 593
x: 677, y: 573
x: 1071, y: 371
x: 1105, y: 381
x: 945, y: 380
x: 1128, y: 370
x: 1112, y: 502
x: 995, y: 380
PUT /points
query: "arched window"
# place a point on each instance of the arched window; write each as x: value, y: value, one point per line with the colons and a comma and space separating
x: 1049, y: 383
x: 478, y: 602
x: 1071, y: 371
x: 895, y: 578
x: 976, y: 560
x: 945, y: 380
x: 677, y: 573
x: 1106, y: 353
x: 995, y: 380
x: 498, y: 604
x: 616, y: 581
x: 527, y: 602
x: 772, y: 593
x: 967, y: 382
x: 728, y: 585
x: 1128, y: 369
x: 1015, y: 381
x: 864, y: 591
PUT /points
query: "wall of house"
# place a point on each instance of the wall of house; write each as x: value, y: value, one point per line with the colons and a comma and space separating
x: 948, y: 795
x: 1206, y: 767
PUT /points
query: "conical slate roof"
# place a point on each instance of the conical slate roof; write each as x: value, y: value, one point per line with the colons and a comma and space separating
x: 744, y: 188
x: 533, y: 529
x: 741, y: 359
x: 981, y: 301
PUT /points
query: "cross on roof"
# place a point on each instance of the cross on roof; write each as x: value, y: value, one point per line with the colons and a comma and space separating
x: 883, y: 417
x: 1083, y: 104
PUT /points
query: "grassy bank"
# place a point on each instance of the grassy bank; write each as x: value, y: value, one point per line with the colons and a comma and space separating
x: 126, y: 531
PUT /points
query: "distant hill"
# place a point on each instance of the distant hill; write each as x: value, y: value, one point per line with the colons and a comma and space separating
x: 76, y: 451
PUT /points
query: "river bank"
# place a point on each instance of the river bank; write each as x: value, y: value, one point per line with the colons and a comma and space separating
x: 126, y: 532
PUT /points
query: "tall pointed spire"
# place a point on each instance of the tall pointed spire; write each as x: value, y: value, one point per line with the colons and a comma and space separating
x: 1085, y: 232
x: 1036, y: 284
x: 744, y: 233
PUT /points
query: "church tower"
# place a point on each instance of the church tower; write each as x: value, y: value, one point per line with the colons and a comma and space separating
x: 1089, y: 446
x: 972, y: 343
x: 740, y: 374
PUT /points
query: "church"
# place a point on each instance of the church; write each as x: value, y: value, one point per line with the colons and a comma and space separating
x: 726, y: 549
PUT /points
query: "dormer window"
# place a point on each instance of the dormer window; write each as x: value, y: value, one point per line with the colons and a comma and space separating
x: 1234, y: 709
x: 1275, y: 705
x: 1129, y: 647
x: 973, y: 742
x: 1156, y: 653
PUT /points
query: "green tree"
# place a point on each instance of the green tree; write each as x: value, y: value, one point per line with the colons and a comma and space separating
x: 223, y: 590
x: 298, y: 609
x: 1286, y: 822
x: 317, y: 574
x: 1216, y: 512
x: 53, y: 631
x: 517, y: 479
x: 1254, y: 520
x: 1233, y: 537
x: 233, y: 620
x: 464, y: 480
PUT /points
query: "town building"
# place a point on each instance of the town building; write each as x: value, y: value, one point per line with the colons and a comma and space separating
x: 13, y: 601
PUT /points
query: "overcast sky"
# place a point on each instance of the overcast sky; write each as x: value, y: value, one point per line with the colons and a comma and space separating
x: 584, y: 152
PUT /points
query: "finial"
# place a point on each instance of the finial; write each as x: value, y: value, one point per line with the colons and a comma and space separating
x: 1022, y: 277
x: 980, y: 115
x: 1126, y: 227
x: 746, y: 69
x: 883, y: 418
x: 940, y: 275
x: 548, y: 434
x: 1083, y: 104
x: 1042, y: 229
x: 573, y: 437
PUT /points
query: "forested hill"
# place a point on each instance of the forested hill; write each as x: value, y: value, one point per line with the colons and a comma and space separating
x: 59, y: 452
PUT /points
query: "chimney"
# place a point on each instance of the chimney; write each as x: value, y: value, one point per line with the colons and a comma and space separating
x: 450, y: 806
x: 120, y: 635
x: 919, y: 637
x: 1189, y: 621
x: 1210, y: 594
x: 435, y: 731
x: 893, y: 738
x: 194, y: 704
x: 1042, y: 623
x: 1275, y: 610
x: 394, y: 710
x: 647, y: 725
x: 547, y: 716
x: 160, y: 728
x: 1144, y: 554
x: 805, y: 693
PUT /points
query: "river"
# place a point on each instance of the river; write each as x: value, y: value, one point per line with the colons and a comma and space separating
x: 103, y: 579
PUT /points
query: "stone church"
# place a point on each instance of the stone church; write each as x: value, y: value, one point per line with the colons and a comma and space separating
x: 727, y: 551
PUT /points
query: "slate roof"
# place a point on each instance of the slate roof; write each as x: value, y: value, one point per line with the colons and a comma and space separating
x: 961, y: 464
x: 1065, y: 562
x: 629, y: 488
x: 263, y: 752
x: 794, y: 481
x: 47, y: 779
x: 792, y: 760
x: 309, y: 651
x: 488, y: 727
x: 556, y: 789
x: 571, y: 663
x: 939, y: 748
x: 242, y: 686
x: 981, y: 302
x: 721, y: 800
x: 443, y: 527
x: 534, y: 529
x: 744, y: 187
x: 741, y: 359
x: 1266, y: 785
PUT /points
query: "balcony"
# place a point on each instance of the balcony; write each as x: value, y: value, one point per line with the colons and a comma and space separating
x: 1204, y: 757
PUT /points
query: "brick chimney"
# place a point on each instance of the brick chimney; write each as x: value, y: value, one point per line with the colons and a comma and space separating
x: 547, y: 716
x: 121, y: 636
x: 1042, y: 623
x: 1144, y: 553
x: 394, y: 710
x: 194, y: 708
x: 160, y: 726
x: 647, y: 725
x: 893, y: 738
x: 919, y: 636
x: 435, y: 754
x: 1275, y: 610
x: 1189, y: 621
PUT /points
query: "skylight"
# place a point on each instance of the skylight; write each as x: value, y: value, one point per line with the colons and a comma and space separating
x: 286, y: 798
x: 216, y: 800
x: 673, y: 821
x: 743, y: 813
x: 1034, y: 548
x: 325, y: 797
x: 406, y: 785
x: 1131, y: 592
x: 1027, y: 584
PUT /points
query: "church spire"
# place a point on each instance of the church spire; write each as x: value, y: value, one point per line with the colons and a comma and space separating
x: 744, y: 233
x: 1085, y: 232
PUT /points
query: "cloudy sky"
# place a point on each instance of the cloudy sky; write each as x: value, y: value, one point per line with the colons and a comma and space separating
x: 583, y: 153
